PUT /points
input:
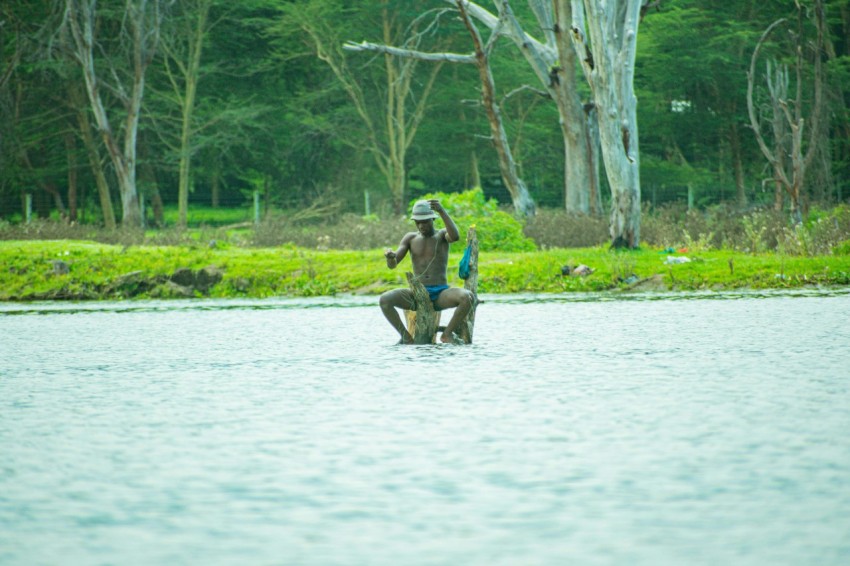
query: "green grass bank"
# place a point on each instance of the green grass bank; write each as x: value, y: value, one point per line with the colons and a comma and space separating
x: 85, y: 270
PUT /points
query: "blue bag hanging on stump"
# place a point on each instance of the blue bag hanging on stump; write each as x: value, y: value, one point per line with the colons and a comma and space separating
x: 463, y: 268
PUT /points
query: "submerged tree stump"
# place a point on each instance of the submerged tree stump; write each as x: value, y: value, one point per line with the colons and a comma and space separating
x: 424, y: 323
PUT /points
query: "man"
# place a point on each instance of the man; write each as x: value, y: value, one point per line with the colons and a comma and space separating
x: 429, y: 253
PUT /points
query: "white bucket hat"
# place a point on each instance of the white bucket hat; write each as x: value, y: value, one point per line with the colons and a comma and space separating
x: 422, y: 211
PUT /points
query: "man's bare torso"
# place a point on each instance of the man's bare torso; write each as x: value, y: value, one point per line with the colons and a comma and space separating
x: 430, y: 257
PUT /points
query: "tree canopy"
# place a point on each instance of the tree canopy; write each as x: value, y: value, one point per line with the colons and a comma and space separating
x: 205, y: 102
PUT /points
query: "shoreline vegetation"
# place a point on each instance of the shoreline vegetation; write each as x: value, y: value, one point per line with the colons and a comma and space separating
x: 553, y: 252
x: 86, y: 270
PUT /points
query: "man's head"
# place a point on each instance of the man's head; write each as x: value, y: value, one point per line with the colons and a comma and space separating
x: 424, y: 217
x: 422, y: 211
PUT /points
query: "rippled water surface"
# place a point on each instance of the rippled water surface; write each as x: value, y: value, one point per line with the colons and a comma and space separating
x: 658, y: 430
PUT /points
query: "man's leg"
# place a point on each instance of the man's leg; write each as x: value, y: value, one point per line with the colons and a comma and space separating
x: 398, y: 299
x: 461, y: 301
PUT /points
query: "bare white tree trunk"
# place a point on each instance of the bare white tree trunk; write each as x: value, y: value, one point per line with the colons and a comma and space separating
x: 143, y: 20
x: 522, y: 201
x: 606, y: 34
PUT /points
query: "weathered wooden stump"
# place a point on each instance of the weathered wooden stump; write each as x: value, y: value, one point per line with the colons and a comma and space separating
x: 465, y: 329
x: 424, y: 323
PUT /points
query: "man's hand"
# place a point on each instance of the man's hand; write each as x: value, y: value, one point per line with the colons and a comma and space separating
x: 436, y: 206
x: 392, y: 259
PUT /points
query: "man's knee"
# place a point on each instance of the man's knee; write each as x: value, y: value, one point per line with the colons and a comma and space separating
x: 457, y: 297
x: 386, y: 300
x: 394, y: 299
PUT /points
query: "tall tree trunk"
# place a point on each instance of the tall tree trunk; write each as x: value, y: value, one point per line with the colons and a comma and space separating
x: 215, y: 190
x: 581, y: 173
x: 149, y: 187
x: 185, y: 90
x: 71, y: 152
x: 608, y: 65
x: 474, y: 176
x: 591, y: 122
x: 93, y: 154
x: 553, y: 62
x: 737, y: 166
x: 522, y: 200
x: 158, y: 207
x: 80, y: 16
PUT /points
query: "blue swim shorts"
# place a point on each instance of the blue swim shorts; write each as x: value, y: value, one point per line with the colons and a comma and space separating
x: 435, y: 290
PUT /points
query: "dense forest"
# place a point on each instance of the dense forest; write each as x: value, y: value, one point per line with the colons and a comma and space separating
x: 115, y: 111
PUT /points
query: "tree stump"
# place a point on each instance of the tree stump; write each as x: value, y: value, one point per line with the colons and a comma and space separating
x: 424, y: 323
x: 471, y: 284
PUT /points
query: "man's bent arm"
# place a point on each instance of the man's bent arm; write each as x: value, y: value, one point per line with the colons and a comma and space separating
x: 452, y: 233
x: 395, y: 257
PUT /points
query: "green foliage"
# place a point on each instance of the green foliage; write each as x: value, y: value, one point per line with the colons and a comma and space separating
x: 470, y: 203
x: 754, y: 233
x: 497, y: 230
x: 98, y: 271
x: 701, y: 244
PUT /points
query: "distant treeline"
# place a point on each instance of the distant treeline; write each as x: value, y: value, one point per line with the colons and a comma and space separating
x: 256, y: 103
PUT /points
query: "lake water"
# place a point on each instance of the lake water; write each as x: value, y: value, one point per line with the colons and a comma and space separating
x: 657, y: 429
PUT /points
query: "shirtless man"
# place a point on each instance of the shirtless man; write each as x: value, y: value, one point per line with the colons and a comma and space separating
x: 429, y: 253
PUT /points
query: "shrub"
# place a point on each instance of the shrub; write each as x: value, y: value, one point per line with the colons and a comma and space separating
x: 350, y: 232
x: 754, y: 231
x: 715, y: 227
x: 842, y: 248
x: 557, y: 229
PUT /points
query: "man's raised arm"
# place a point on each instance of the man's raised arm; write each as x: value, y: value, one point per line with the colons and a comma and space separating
x: 452, y: 233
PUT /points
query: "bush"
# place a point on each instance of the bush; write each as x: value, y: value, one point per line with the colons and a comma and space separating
x: 715, y: 227
x: 755, y: 231
x: 351, y: 232
x: 557, y: 229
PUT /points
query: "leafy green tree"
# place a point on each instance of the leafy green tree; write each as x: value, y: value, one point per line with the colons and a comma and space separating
x: 522, y: 201
x: 390, y: 107
x: 182, y: 47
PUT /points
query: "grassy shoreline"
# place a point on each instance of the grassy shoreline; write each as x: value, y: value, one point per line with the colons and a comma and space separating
x: 84, y: 270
